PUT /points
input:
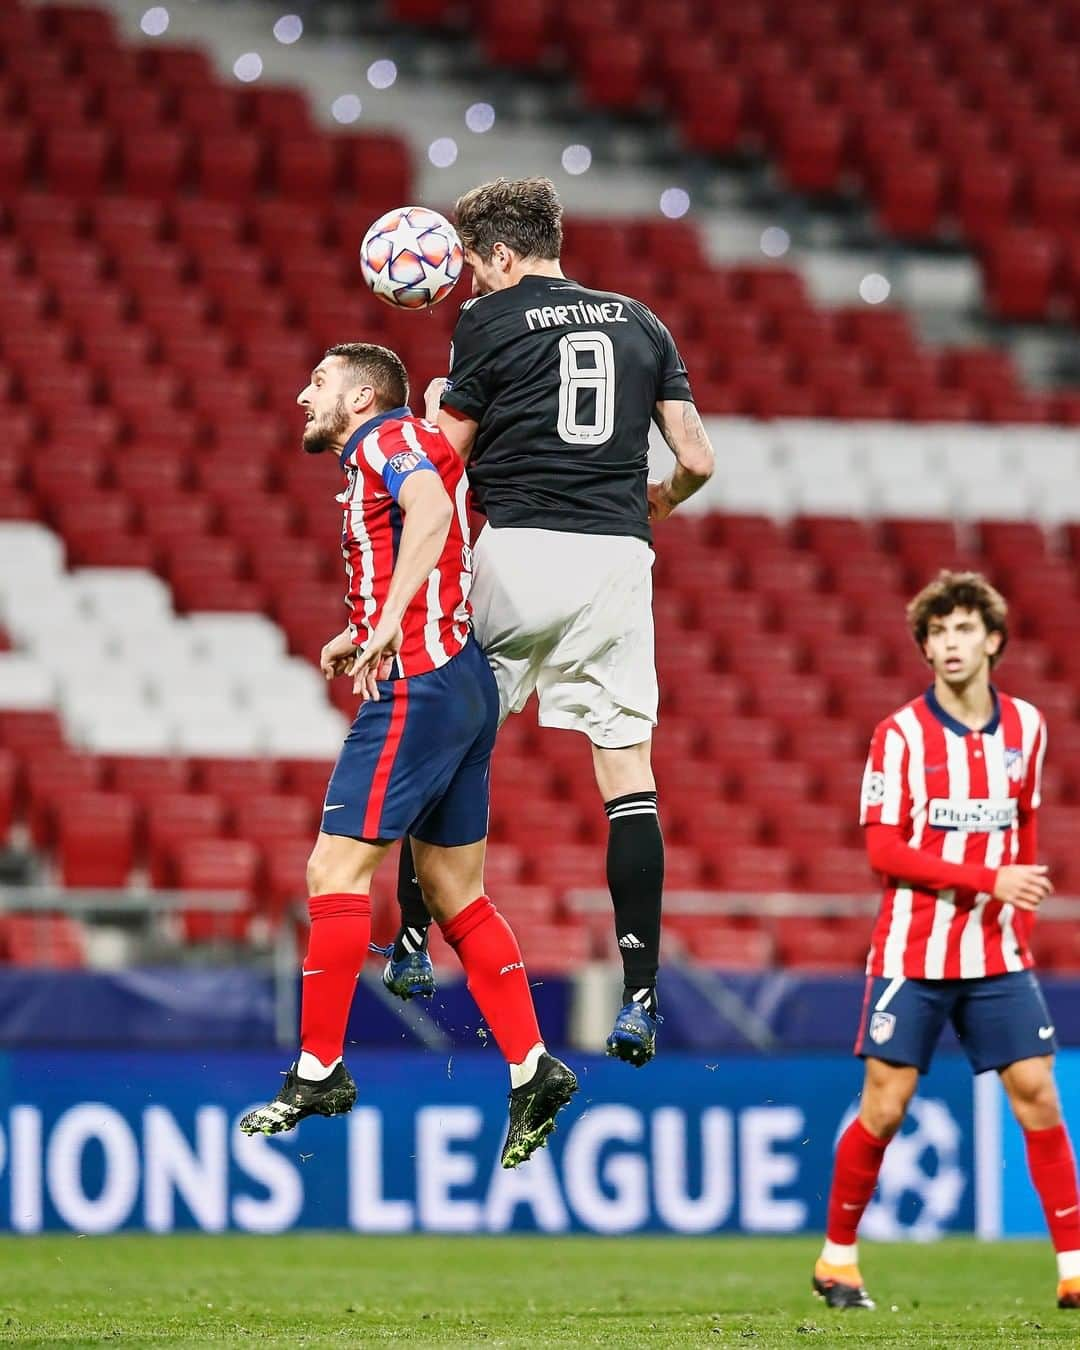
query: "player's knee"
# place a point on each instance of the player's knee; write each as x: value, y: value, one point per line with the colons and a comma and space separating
x: 885, y: 1098
x: 1033, y: 1096
x: 331, y: 870
x: 884, y: 1114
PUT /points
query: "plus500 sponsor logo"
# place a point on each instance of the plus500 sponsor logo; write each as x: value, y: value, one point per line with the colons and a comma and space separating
x: 619, y: 1169
x: 974, y: 814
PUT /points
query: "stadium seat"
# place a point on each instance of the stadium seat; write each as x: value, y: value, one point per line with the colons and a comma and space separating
x: 96, y: 835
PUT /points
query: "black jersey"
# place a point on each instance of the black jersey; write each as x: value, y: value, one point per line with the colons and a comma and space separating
x: 562, y: 382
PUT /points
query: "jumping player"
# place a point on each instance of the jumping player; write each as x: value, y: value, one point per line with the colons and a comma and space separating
x: 949, y: 802
x: 416, y: 760
x: 550, y: 397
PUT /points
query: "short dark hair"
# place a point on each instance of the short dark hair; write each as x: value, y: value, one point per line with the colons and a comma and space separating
x: 959, y: 590
x: 382, y: 368
x: 525, y: 214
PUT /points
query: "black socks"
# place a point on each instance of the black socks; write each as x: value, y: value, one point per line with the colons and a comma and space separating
x: 635, y: 874
x: 412, y: 936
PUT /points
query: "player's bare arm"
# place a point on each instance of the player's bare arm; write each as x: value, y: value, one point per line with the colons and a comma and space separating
x: 458, y: 429
x: 684, y: 432
x: 428, y: 513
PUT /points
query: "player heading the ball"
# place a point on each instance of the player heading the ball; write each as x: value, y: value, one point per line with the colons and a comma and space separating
x: 550, y: 397
x: 949, y: 802
x: 417, y: 758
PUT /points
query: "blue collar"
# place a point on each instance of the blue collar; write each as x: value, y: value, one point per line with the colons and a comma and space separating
x: 391, y: 415
x: 950, y: 722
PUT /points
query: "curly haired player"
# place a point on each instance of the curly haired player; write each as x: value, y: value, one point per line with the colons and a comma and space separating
x: 949, y: 802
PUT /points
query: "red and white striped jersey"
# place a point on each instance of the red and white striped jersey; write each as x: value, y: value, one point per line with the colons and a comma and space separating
x: 960, y: 796
x: 377, y: 459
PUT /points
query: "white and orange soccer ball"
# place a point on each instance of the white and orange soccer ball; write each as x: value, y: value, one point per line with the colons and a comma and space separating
x: 411, y: 257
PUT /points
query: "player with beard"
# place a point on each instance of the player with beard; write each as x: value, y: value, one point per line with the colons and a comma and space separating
x: 416, y: 760
x: 949, y: 802
x: 551, y: 394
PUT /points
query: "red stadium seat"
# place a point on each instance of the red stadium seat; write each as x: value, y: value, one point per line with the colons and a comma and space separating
x: 172, y: 821
x: 44, y: 940
x: 262, y: 818
x: 753, y: 867
x: 154, y: 163
x: 218, y: 865
x: 731, y: 945
x: 96, y: 835
x: 829, y: 944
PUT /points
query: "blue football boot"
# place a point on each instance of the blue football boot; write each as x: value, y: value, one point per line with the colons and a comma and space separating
x: 413, y: 976
x: 633, y: 1038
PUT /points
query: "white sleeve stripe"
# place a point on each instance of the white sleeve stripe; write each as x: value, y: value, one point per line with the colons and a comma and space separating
x: 893, y: 763
x: 372, y: 453
x: 1036, y: 791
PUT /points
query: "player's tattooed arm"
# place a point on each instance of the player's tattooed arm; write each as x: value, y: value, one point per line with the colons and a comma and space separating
x: 685, y: 434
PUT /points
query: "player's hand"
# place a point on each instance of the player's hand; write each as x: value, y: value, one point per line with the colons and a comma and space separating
x: 374, y: 660
x: 1024, y: 885
x: 338, y: 655
x: 660, y: 503
x: 433, y: 398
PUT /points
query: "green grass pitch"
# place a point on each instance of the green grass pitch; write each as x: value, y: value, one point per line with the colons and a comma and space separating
x: 331, y: 1290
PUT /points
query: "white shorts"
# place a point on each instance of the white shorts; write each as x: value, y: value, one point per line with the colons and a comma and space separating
x: 570, y: 615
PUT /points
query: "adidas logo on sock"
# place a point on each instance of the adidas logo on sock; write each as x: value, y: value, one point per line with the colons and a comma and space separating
x: 631, y: 940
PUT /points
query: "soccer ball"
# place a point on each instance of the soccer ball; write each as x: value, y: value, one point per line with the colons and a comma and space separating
x: 411, y: 257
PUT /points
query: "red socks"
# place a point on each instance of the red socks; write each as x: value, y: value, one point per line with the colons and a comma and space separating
x: 495, y: 972
x: 855, y: 1174
x: 1053, y: 1173
x: 337, y: 946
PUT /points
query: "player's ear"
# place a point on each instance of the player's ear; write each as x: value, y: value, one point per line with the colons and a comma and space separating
x: 993, y: 643
x: 361, y: 397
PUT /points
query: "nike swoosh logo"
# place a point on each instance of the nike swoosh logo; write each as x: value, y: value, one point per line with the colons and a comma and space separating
x: 339, y: 807
x: 844, y: 1205
x: 1061, y: 1213
x: 312, y: 972
x: 1045, y: 1033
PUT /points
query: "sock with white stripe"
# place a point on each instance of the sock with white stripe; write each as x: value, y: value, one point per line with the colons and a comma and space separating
x: 412, y: 936
x: 635, y: 875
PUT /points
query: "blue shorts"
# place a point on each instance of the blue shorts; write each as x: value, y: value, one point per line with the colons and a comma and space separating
x: 418, y: 761
x: 998, y: 1019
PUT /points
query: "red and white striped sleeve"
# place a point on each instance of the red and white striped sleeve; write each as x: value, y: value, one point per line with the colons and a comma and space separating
x: 1031, y: 792
x: 885, y: 798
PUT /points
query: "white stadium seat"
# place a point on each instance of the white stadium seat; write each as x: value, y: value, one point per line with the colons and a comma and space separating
x: 25, y: 683
x: 110, y: 593
x: 29, y: 550
x: 245, y: 640
x: 311, y: 737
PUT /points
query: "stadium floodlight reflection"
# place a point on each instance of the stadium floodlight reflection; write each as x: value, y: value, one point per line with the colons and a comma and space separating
x: 874, y: 288
x: 674, y: 202
x: 248, y: 67
x: 346, y: 108
x: 479, y: 117
x: 381, y: 74
x: 775, y: 241
x: 289, y: 29
x: 155, y: 21
x: 443, y: 152
x: 577, y: 159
